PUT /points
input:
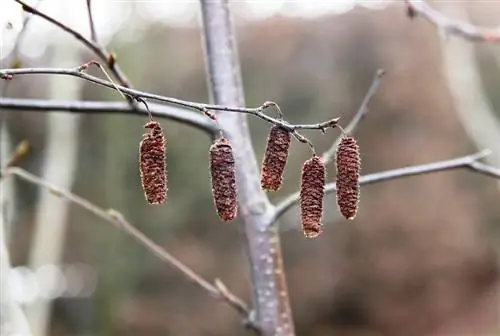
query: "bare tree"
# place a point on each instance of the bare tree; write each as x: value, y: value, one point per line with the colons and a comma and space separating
x: 270, y: 313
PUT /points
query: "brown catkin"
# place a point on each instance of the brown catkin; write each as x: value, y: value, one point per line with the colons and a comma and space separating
x: 312, y: 191
x: 273, y: 164
x: 348, y: 169
x: 223, y: 179
x: 152, y: 164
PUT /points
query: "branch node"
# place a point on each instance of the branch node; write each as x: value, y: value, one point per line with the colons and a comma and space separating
x: 111, y: 59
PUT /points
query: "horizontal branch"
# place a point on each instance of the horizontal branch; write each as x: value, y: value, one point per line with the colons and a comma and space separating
x: 97, y: 107
x: 469, y: 162
x: 452, y: 26
x: 9, y: 74
x: 217, y: 289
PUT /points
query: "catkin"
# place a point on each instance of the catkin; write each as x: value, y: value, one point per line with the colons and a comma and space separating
x: 348, y: 169
x: 312, y: 191
x: 273, y: 164
x: 152, y: 164
x: 223, y: 179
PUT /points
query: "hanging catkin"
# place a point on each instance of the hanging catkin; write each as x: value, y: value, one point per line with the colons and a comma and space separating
x: 273, y: 164
x: 223, y: 179
x: 312, y: 191
x: 348, y: 168
x: 152, y: 164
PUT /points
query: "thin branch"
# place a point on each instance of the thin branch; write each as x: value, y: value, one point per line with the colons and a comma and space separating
x: 216, y: 290
x: 269, y: 288
x: 257, y: 111
x: 99, y: 50
x: 93, y: 34
x: 469, y: 162
x: 15, y: 61
x: 97, y: 107
x: 450, y: 26
x: 362, y: 111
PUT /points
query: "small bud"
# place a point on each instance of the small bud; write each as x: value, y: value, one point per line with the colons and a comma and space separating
x: 223, y: 177
x: 348, y: 169
x: 111, y: 60
x: 312, y: 192
x: 411, y: 12
x: 273, y: 164
x: 152, y: 164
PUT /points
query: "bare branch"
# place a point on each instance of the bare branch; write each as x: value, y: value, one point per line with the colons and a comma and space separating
x: 362, y: 111
x: 257, y: 111
x: 93, y: 34
x: 216, y: 290
x: 97, y: 107
x: 100, y: 51
x: 469, y: 162
x: 450, y: 26
x: 269, y: 287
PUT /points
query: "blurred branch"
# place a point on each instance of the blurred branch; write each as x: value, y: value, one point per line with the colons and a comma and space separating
x: 450, y: 26
x: 269, y: 287
x: 12, y: 319
x: 96, y: 107
x: 470, y: 99
x: 217, y: 290
x: 93, y: 34
x: 8, y: 74
x: 362, y: 111
x: 16, y: 62
x: 468, y: 162
x: 99, y: 50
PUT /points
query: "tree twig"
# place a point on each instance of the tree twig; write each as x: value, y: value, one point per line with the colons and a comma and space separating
x: 99, y: 50
x: 119, y: 221
x: 469, y: 162
x: 256, y: 111
x: 451, y: 26
x: 97, y: 107
x: 93, y: 34
x: 269, y: 287
x: 362, y: 111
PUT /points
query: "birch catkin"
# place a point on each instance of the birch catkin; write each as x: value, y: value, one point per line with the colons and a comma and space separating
x: 348, y: 168
x: 273, y: 164
x: 312, y: 191
x: 222, y: 172
x: 152, y: 165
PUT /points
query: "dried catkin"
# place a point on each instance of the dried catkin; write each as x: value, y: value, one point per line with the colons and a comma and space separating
x: 273, y: 164
x: 312, y: 191
x: 348, y: 169
x: 152, y: 164
x: 223, y: 179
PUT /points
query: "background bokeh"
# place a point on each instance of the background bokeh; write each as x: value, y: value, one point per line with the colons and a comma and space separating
x: 420, y: 258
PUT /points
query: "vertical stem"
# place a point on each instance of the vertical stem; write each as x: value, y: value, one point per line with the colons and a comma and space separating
x: 270, y: 294
x: 12, y: 319
x: 58, y: 167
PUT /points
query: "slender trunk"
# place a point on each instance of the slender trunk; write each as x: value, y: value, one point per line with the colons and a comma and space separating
x: 12, y: 319
x: 270, y: 293
x: 7, y: 186
x: 471, y: 103
x: 59, y: 166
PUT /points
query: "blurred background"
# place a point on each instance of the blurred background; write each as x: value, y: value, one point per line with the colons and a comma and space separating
x: 419, y: 259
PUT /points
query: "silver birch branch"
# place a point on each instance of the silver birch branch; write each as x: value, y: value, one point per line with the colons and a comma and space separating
x: 270, y: 293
